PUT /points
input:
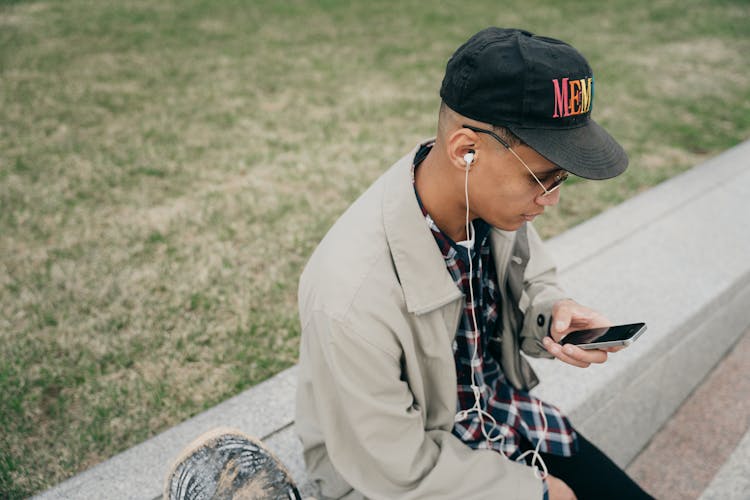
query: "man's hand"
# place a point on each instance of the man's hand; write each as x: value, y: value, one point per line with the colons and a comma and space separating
x: 568, y: 316
x: 558, y: 490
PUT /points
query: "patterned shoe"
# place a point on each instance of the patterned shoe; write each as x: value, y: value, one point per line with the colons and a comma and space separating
x: 225, y: 464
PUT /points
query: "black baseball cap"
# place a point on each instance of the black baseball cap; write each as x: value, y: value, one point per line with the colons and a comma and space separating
x: 542, y: 90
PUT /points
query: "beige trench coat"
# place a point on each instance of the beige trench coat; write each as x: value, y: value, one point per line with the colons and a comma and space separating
x: 377, y: 383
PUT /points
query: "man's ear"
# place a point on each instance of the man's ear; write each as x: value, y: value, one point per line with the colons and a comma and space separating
x: 462, y: 146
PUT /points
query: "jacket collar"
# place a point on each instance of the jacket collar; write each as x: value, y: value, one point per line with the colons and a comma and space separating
x: 421, y: 269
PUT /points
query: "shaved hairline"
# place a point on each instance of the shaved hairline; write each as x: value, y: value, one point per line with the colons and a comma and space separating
x: 449, y: 121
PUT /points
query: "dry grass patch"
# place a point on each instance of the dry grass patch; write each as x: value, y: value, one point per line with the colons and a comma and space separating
x: 167, y: 168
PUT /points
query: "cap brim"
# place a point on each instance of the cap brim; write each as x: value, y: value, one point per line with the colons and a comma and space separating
x: 588, y: 151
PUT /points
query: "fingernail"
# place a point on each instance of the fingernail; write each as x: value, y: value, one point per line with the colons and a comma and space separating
x: 560, y: 325
x: 568, y: 349
x: 555, y: 349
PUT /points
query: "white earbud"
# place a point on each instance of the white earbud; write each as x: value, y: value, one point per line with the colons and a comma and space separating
x: 469, y: 159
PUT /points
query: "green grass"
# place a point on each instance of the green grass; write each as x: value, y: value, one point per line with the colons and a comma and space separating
x: 166, y: 168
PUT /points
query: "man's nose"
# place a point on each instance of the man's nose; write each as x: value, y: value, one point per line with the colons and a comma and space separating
x: 550, y: 200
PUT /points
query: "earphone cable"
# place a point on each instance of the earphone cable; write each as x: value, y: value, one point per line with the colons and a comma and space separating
x: 477, y: 408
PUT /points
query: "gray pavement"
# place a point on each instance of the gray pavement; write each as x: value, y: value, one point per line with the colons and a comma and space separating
x: 708, y: 432
x: 733, y: 480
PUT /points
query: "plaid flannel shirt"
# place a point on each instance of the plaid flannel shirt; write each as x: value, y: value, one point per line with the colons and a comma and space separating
x: 517, y: 414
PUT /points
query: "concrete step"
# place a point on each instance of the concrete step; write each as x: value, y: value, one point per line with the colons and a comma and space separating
x: 676, y: 257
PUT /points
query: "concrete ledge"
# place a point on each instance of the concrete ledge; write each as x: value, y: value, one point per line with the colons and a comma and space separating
x: 675, y: 257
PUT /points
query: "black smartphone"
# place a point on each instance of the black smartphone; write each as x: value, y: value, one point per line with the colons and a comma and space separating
x: 609, y: 336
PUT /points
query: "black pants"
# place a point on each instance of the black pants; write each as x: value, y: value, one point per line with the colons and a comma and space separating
x: 591, y: 474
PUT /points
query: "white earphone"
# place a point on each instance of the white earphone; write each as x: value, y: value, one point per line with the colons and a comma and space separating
x: 469, y: 159
x: 495, y: 432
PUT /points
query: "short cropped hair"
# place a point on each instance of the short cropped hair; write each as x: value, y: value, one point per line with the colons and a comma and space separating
x: 447, y: 115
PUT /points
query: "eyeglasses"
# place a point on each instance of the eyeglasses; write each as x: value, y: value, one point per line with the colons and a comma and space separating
x: 557, y: 180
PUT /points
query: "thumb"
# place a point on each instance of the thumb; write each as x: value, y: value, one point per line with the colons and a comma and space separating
x: 561, y: 320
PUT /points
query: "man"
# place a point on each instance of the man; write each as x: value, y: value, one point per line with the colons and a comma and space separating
x: 418, y: 301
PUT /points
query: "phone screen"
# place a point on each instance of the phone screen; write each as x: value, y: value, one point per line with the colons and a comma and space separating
x: 618, y: 333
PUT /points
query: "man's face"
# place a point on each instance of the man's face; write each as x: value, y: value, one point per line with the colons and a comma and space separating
x: 504, y: 193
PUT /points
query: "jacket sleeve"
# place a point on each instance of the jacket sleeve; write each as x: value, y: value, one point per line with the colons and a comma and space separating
x: 375, y: 432
x: 542, y: 291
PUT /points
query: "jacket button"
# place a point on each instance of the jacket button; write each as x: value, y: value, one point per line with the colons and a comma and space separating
x: 540, y: 320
